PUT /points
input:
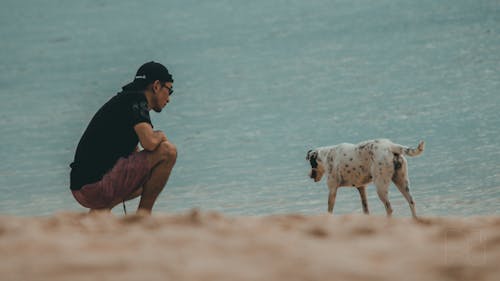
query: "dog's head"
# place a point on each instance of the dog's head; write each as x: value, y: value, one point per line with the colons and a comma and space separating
x: 317, y: 168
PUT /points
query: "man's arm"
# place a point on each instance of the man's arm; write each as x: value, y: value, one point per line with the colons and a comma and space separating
x: 149, y: 139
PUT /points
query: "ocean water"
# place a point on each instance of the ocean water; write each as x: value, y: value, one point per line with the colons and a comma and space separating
x: 257, y: 84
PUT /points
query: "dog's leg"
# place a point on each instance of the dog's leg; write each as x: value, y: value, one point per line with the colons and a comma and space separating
x: 331, y: 200
x: 362, y: 194
x: 403, y: 186
x: 332, y: 186
x: 405, y: 190
x: 400, y: 179
x: 383, y: 193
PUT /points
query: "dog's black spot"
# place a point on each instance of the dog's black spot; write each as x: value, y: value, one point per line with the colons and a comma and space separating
x: 350, y: 159
x: 314, y: 163
x: 342, y: 181
x: 346, y: 165
x: 397, y: 162
x: 365, y: 205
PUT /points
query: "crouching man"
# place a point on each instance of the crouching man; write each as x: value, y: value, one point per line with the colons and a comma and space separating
x: 108, y: 167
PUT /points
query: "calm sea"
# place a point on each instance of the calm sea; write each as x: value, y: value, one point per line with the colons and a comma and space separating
x: 258, y: 83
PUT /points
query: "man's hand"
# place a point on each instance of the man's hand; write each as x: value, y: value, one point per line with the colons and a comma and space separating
x: 161, y: 135
x: 149, y: 139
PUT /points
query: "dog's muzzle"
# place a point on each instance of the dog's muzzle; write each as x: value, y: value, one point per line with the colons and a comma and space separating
x: 314, y: 173
x: 314, y: 168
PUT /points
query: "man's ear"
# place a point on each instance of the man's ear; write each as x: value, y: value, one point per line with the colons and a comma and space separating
x: 156, y: 86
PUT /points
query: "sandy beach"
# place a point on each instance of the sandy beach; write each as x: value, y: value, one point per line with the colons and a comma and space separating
x: 211, y: 246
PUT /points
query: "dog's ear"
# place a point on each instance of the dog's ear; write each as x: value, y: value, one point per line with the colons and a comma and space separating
x: 311, y: 154
x: 308, y: 156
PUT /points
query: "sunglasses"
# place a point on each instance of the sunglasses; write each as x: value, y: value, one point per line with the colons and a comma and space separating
x: 170, y: 90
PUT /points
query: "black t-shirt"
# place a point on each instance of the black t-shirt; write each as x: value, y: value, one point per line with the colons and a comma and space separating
x: 109, y: 136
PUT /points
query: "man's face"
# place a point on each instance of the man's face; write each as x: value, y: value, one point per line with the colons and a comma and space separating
x: 162, y: 91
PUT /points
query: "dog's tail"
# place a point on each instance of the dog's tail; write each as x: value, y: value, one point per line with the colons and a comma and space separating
x: 399, y: 149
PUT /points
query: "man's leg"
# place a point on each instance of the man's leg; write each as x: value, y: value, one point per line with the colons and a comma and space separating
x: 162, y: 160
x: 134, y: 195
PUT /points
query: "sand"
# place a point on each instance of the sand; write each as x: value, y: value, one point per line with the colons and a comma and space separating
x: 211, y: 246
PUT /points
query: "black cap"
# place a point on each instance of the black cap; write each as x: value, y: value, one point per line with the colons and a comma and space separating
x: 147, y: 74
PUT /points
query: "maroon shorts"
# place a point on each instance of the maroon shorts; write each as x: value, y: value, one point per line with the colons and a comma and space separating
x: 128, y: 175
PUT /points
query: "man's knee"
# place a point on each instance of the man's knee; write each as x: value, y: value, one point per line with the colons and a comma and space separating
x: 168, y: 151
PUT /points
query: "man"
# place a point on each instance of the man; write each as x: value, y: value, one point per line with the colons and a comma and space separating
x: 108, y: 168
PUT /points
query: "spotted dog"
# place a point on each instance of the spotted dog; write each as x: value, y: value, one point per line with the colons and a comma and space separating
x: 356, y: 165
